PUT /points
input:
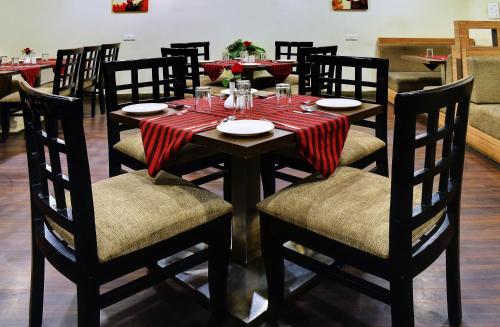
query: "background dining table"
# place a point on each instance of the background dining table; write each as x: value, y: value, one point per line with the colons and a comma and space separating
x: 247, y: 298
x: 431, y: 62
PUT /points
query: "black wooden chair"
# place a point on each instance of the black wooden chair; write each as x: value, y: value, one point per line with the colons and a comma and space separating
x: 88, y: 76
x: 192, y: 66
x: 304, y: 64
x: 390, y: 228
x: 289, y: 50
x: 167, y: 80
x: 65, y: 83
x: 361, y: 149
x: 109, y: 52
x: 203, y: 50
x: 94, y: 234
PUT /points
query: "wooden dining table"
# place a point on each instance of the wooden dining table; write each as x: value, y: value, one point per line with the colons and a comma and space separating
x: 248, y: 68
x: 430, y: 62
x: 248, y: 289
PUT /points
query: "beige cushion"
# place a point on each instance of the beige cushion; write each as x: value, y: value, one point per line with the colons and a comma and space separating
x: 15, y: 97
x: 486, y: 71
x: 393, y: 52
x: 131, y: 145
x: 351, y: 207
x: 412, y: 81
x: 133, y: 211
x: 292, y: 79
x: 358, y: 145
x: 486, y: 118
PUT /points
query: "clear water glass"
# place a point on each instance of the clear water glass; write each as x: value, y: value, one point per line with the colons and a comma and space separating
x: 203, y: 98
x: 15, y: 61
x: 246, y: 85
x: 244, y: 56
x: 3, y: 60
x: 261, y: 56
x: 283, y: 95
x: 225, y: 55
x: 45, y: 56
x: 429, y: 52
x: 242, y: 101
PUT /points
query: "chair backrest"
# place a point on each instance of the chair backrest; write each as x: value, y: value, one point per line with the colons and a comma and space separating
x: 289, y: 50
x: 304, y: 64
x: 160, y: 80
x: 109, y: 52
x: 203, y: 48
x: 66, y: 71
x: 364, y: 79
x: 58, y: 168
x: 89, y: 68
x: 409, y: 176
x: 192, y: 64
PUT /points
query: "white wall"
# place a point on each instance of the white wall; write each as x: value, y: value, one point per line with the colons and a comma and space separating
x: 478, y: 9
x: 52, y: 24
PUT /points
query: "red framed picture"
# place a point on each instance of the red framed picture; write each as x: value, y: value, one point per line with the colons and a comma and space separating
x: 350, y: 4
x: 130, y: 6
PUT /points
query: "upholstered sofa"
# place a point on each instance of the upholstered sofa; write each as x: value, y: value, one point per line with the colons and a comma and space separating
x: 484, y: 118
x: 407, y: 75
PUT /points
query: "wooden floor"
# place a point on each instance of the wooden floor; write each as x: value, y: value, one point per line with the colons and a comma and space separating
x: 328, y: 304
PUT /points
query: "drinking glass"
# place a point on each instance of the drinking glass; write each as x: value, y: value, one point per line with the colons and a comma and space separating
x: 251, y: 58
x: 429, y: 53
x: 242, y: 103
x: 283, y: 95
x: 45, y: 56
x: 3, y: 60
x: 244, y: 84
x: 244, y: 56
x: 15, y: 61
x: 203, y: 98
x: 225, y: 55
x: 261, y: 56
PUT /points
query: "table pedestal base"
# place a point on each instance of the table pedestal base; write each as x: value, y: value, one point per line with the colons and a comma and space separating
x: 247, y: 286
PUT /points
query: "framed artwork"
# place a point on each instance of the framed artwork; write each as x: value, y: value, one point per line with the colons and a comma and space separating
x: 350, y: 4
x: 130, y: 6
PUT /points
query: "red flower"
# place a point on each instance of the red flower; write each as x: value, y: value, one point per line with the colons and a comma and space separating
x: 237, y: 69
x: 246, y: 44
x: 27, y: 51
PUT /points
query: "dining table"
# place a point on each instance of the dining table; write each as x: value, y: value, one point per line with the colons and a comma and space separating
x: 29, y: 72
x: 247, y: 287
x: 431, y: 62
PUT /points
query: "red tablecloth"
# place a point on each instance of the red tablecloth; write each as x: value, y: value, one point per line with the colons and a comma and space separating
x: 279, y: 70
x: 29, y: 72
x: 320, y: 139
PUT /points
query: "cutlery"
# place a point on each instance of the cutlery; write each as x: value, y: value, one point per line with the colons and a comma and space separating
x: 174, y: 105
x: 195, y: 127
x: 282, y: 124
x: 170, y: 114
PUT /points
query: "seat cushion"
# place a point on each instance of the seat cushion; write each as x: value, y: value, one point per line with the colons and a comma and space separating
x: 486, y: 71
x: 15, y: 97
x: 133, y: 211
x: 486, y: 118
x: 131, y: 145
x: 351, y: 207
x: 412, y: 81
x: 358, y: 145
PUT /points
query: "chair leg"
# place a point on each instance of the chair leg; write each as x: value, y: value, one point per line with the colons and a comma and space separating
x: 274, y: 263
x: 93, y: 102
x: 37, y: 286
x: 226, y: 182
x: 218, y: 265
x: 382, y: 162
x: 101, y: 100
x: 5, y: 121
x: 267, y: 173
x: 402, y: 302
x: 87, y: 293
x: 453, y: 282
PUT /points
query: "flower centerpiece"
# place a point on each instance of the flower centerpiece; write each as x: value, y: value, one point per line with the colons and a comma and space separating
x: 237, y: 47
x: 232, y: 76
x: 27, y: 52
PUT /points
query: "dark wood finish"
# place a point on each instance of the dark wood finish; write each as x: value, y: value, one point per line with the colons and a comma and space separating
x: 328, y: 305
x: 203, y: 50
x: 65, y: 79
x: 304, y: 64
x: 88, y: 75
x: 327, y: 80
x: 167, y: 83
x: 80, y: 264
x: 192, y: 65
x: 109, y: 52
x: 289, y: 50
x: 407, y: 258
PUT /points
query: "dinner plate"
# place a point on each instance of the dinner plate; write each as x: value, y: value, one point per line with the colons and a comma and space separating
x: 338, y: 103
x: 286, y: 60
x: 145, y: 108
x: 246, y: 127
x: 227, y: 91
x: 250, y: 64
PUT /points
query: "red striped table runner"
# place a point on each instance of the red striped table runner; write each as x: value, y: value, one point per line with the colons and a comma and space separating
x: 320, y: 139
x: 28, y: 72
x: 279, y: 70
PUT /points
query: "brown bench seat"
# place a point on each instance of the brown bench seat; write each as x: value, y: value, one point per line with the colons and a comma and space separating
x: 411, y: 81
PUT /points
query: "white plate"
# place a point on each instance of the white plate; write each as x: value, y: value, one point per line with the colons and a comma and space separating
x: 338, y: 103
x: 249, y: 64
x: 245, y: 127
x: 286, y: 60
x: 145, y: 108
x: 227, y: 91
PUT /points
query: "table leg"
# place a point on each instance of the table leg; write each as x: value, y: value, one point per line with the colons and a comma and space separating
x: 443, y: 74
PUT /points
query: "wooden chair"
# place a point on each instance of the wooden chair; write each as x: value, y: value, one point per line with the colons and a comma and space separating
x: 192, y: 65
x: 167, y: 80
x: 90, y: 233
x: 109, y: 52
x: 390, y: 228
x: 88, y: 75
x: 361, y: 149
x: 65, y: 83
x: 203, y: 50
x: 304, y: 64
x: 289, y: 50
